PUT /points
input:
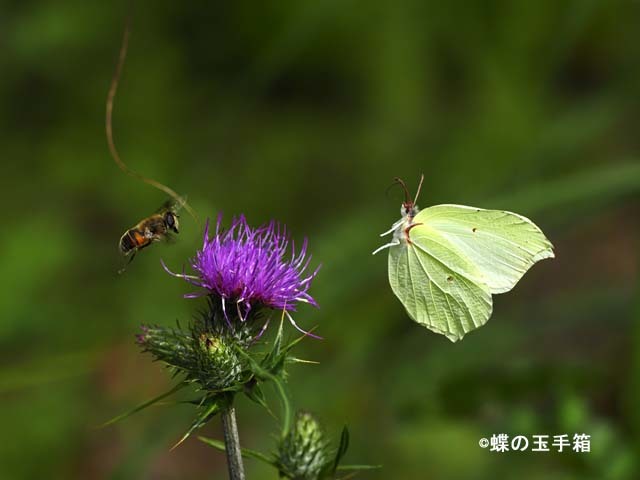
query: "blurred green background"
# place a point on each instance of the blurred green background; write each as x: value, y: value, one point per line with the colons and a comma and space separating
x: 304, y: 111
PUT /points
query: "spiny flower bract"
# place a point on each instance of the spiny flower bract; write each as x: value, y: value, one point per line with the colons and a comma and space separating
x: 304, y: 453
x: 204, y: 357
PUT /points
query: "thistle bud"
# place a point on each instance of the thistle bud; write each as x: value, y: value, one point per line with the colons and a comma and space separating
x: 218, y: 365
x: 304, y: 453
x: 204, y: 357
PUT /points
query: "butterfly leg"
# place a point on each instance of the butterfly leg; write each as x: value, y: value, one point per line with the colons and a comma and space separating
x: 393, y: 228
x: 387, y: 245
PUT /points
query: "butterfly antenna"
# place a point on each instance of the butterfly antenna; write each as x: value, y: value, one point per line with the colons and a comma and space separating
x: 415, y: 200
x: 386, y: 192
x: 113, y: 88
x: 400, y: 182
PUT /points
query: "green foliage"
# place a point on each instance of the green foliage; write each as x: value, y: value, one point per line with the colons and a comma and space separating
x: 216, y: 357
x: 304, y: 452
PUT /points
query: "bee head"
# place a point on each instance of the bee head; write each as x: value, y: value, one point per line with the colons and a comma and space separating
x: 171, y: 221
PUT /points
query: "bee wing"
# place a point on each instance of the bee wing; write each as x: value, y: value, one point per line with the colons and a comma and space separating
x: 167, y: 205
x: 172, y: 205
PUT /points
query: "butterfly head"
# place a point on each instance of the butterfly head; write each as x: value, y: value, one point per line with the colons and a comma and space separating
x: 409, y: 208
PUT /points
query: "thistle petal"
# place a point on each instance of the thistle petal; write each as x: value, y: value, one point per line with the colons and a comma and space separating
x: 251, y: 267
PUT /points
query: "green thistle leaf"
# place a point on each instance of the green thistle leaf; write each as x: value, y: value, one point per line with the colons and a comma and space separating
x: 342, y: 448
x: 144, y: 405
x: 209, y: 410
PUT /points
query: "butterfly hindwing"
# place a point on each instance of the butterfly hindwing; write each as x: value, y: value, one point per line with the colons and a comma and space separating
x: 436, y: 296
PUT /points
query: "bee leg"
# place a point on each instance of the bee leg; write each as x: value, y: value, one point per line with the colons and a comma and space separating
x: 124, y: 268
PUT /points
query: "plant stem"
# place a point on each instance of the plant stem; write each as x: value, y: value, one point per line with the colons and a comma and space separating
x: 232, y: 444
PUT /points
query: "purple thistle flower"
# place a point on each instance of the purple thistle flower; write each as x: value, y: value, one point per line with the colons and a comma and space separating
x: 248, y: 268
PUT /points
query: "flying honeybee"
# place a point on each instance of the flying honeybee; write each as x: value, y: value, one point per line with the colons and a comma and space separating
x: 159, y: 226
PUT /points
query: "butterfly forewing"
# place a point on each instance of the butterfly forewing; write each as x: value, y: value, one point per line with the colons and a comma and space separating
x: 502, y: 245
